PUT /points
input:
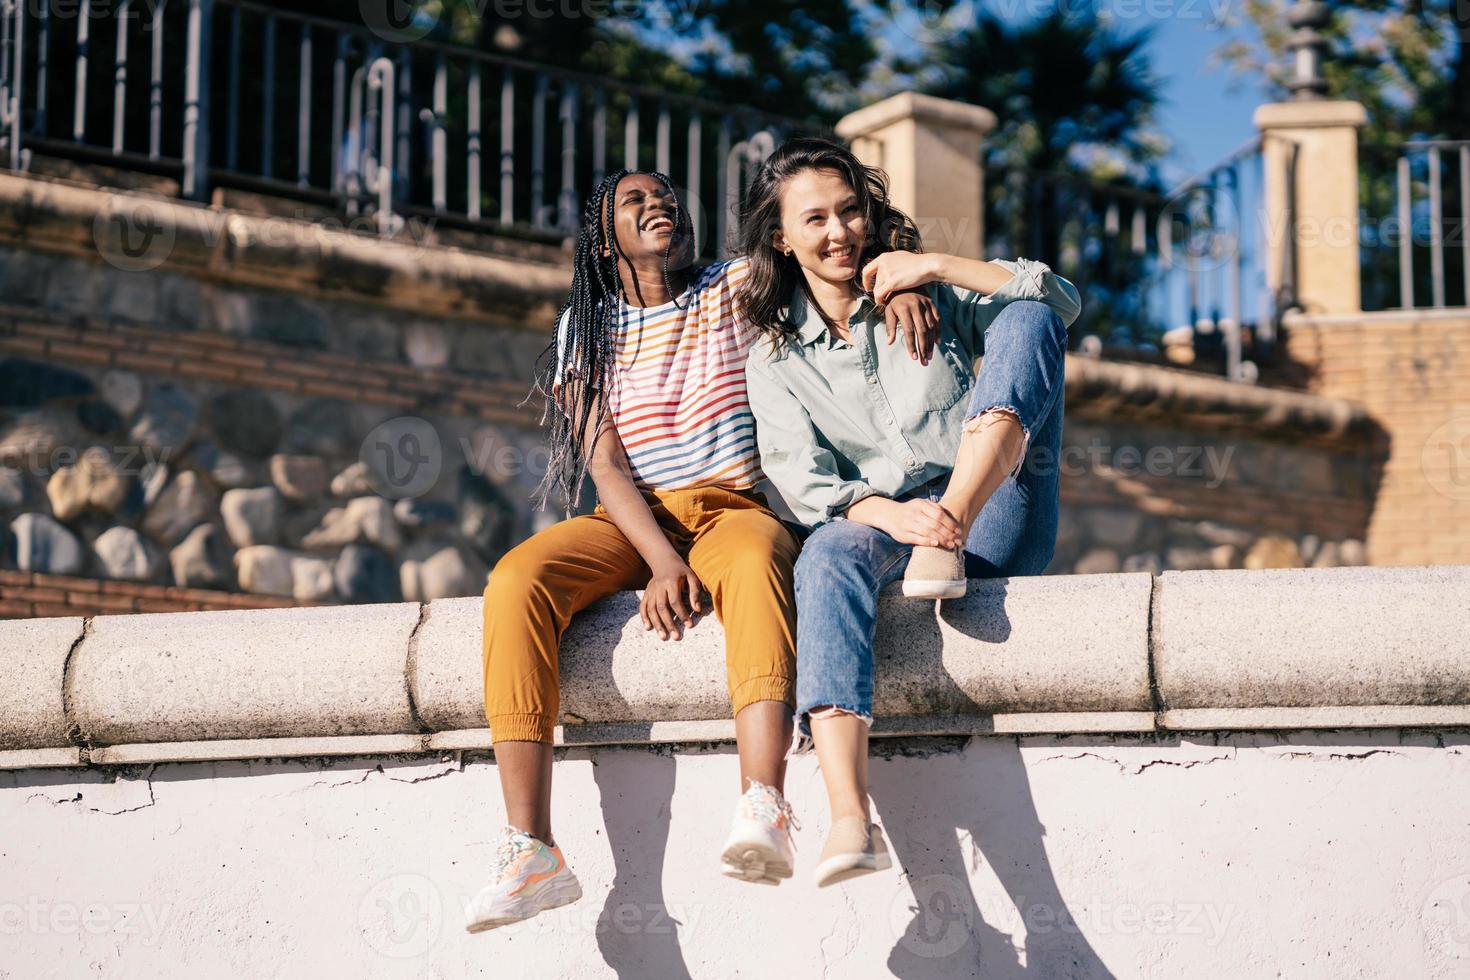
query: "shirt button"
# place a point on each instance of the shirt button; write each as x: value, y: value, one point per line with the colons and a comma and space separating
x: 872, y: 380
x: 910, y: 462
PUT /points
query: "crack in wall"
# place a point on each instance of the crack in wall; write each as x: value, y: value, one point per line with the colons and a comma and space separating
x: 410, y: 671
x: 1127, y: 768
x: 1153, y: 631
x: 74, y: 731
x: 80, y: 796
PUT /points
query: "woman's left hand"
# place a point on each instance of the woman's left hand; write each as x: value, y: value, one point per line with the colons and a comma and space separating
x: 917, y: 318
x: 893, y: 271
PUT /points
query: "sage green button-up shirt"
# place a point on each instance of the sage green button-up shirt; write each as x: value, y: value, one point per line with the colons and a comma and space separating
x: 837, y: 422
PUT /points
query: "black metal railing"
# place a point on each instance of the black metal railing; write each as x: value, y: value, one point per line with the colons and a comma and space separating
x: 1158, y: 268
x: 236, y: 93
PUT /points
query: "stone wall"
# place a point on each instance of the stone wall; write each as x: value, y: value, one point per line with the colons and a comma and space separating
x: 268, y: 406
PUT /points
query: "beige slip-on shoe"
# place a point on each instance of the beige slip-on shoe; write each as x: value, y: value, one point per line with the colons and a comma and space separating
x: 854, y: 847
x: 935, y: 573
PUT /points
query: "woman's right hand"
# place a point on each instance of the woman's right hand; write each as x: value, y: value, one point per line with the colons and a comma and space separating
x: 910, y: 521
x: 663, y: 608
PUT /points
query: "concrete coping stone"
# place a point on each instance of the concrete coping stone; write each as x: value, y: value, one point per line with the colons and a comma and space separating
x: 1083, y: 654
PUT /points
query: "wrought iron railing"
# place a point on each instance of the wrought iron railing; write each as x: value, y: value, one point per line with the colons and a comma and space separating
x: 1416, y: 225
x: 1157, y: 268
x: 239, y: 94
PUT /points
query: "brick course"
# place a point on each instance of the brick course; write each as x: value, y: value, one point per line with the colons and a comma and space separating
x: 26, y: 595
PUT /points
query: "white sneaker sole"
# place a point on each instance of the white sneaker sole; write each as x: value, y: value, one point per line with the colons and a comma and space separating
x: 754, y: 862
x: 553, y: 896
x: 935, y: 588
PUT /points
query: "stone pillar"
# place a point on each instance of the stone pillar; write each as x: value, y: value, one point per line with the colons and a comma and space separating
x: 930, y: 148
x: 1325, y: 218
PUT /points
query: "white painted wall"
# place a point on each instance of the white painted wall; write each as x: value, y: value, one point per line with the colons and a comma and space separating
x: 1312, y: 854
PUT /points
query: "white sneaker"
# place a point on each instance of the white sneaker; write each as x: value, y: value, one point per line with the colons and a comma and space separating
x: 760, y: 848
x: 529, y: 877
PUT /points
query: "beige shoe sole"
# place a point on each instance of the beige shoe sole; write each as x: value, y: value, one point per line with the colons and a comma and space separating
x: 935, y: 589
x: 844, y: 867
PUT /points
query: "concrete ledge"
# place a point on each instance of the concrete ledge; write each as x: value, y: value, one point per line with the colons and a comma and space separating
x: 278, y: 253
x: 32, y: 704
x: 1186, y: 651
x: 1307, y: 638
x: 174, y: 677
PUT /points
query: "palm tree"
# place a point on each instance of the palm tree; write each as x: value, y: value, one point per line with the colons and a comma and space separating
x: 1075, y: 99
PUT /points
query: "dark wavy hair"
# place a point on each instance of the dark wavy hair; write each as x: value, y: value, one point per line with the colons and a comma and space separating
x: 765, y: 296
x: 592, y: 310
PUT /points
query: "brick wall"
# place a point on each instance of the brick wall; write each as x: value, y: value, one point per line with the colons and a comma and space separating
x: 25, y: 595
x: 1411, y: 370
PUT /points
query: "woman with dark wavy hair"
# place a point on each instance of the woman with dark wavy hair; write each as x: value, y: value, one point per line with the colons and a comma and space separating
x: 911, y: 468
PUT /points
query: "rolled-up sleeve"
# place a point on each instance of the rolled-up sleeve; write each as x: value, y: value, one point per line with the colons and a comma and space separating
x: 970, y: 313
x: 802, y: 471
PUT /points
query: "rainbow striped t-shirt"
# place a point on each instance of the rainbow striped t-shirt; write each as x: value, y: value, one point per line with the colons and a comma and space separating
x: 677, y: 395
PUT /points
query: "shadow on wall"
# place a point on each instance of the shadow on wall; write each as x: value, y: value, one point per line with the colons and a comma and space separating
x: 636, y: 814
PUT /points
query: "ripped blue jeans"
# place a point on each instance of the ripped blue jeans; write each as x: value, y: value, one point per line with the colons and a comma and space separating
x: 844, y: 565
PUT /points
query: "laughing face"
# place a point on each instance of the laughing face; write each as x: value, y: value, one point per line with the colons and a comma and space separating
x: 822, y: 224
x: 643, y: 217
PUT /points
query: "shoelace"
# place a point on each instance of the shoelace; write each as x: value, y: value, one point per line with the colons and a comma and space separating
x: 511, y: 846
x: 767, y: 803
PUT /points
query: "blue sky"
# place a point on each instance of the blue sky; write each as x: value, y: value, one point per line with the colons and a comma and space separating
x: 1208, y: 110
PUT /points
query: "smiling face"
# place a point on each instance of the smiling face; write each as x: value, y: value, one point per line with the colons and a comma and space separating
x: 823, y: 224
x: 643, y: 219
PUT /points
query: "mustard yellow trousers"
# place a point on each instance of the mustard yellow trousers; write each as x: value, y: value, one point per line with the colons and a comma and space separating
x: 741, y: 552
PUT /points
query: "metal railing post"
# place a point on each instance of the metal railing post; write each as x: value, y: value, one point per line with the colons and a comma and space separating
x: 196, y: 100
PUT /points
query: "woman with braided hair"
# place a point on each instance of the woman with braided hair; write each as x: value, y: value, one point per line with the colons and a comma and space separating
x: 645, y: 393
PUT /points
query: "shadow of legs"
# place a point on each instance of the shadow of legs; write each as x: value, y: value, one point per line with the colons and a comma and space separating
x: 958, y: 811
x: 636, y: 933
